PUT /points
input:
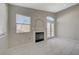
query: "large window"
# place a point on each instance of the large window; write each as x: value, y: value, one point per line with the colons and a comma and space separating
x: 50, y: 26
x: 22, y: 23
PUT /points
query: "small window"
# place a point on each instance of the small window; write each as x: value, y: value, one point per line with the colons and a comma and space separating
x: 50, y: 19
x: 22, y: 23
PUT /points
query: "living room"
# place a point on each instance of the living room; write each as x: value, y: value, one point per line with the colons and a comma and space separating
x: 39, y: 29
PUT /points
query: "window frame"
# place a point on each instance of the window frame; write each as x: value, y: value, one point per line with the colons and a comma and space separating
x: 51, y: 22
x: 26, y: 24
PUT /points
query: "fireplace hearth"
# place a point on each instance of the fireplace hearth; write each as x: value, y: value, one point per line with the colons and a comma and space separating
x: 39, y: 36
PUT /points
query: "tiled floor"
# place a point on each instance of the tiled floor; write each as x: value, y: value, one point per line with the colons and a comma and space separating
x: 53, y: 46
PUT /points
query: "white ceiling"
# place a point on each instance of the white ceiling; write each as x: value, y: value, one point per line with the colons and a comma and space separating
x: 51, y: 7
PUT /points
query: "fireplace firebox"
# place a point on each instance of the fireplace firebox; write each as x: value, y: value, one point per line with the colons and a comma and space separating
x: 39, y: 36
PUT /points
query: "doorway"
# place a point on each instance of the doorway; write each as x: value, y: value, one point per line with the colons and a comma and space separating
x: 50, y: 27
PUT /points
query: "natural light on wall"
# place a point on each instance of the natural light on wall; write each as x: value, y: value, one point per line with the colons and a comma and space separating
x: 23, y: 23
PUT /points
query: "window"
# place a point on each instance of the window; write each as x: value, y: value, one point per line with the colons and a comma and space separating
x: 50, y: 19
x: 50, y: 26
x: 48, y: 29
x: 22, y: 23
x: 52, y: 29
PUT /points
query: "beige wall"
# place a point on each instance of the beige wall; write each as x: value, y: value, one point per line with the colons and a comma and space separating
x: 38, y: 23
x: 68, y: 23
x: 3, y: 28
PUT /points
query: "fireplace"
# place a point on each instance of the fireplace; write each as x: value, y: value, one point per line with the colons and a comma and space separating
x: 39, y: 36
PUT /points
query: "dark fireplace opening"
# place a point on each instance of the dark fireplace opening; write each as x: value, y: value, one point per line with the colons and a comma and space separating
x: 39, y: 36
